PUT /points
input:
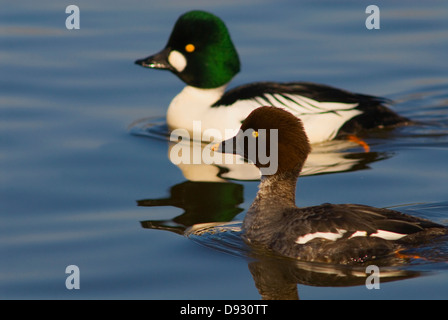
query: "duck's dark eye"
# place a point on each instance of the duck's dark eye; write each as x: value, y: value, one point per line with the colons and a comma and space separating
x: 190, y: 47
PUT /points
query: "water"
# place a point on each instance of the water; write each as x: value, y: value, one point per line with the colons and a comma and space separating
x: 81, y: 186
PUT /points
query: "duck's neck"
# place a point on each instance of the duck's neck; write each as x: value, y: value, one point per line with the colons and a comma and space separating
x: 190, y: 104
x: 278, y: 189
x: 275, y: 194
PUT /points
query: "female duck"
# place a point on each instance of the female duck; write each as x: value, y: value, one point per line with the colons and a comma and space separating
x: 201, y: 53
x: 335, y: 233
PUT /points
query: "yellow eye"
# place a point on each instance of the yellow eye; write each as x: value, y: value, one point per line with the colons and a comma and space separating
x: 255, y: 134
x: 190, y: 47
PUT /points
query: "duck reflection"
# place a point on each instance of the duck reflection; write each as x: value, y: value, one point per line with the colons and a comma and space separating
x: 325, y: 158
x: 278, y: 280
x: 201, y: 201
x: 199, y: 163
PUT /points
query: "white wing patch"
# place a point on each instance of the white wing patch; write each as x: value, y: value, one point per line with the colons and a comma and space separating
x: 300, y: 105
x: 333, y: 236
x: 324, y: 235
x: 322, y: 120
x: 388, y: 235
x: 359, y: 234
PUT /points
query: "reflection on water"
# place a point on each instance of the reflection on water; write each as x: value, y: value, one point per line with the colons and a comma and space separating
x: 277, y: 280
x: 201, y: 201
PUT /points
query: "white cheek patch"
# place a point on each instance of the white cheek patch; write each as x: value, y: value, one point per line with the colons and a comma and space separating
x: 177, y: 60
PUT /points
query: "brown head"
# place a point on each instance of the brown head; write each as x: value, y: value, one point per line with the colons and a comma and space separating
x: 269, y: 135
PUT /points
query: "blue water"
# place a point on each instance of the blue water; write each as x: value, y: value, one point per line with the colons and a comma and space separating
x: 81, y: 186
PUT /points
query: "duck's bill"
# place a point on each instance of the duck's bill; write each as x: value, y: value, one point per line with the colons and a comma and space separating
x: 226, y: 146
x: 255, y: 148
x: 157, y: 61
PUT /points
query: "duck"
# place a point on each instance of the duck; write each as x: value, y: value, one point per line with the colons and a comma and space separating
x: 201, y: 53
x: 328, y: 233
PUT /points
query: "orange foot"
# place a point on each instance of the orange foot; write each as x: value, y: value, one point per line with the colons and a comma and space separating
x: 362, y: 143
x: 400, y: 255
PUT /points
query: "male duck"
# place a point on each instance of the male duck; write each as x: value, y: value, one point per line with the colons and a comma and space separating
x: 334, y: 233
x: 201, y: 53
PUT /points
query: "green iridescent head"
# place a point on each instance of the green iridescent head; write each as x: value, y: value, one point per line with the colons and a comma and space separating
x: 199, y: 51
